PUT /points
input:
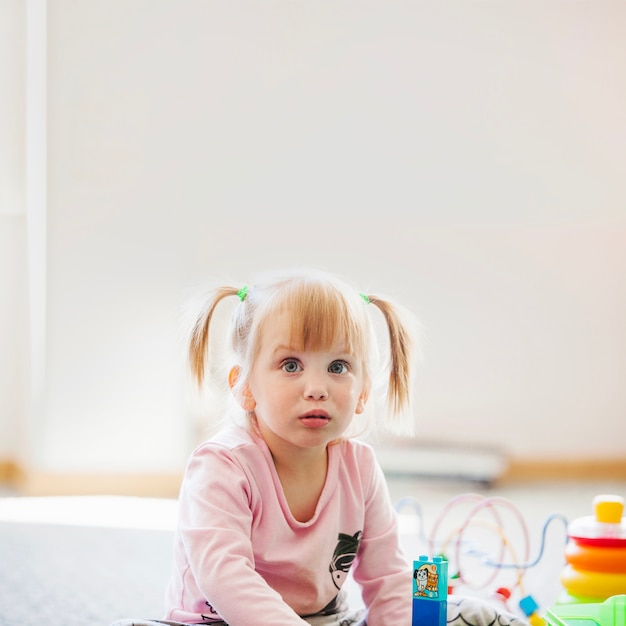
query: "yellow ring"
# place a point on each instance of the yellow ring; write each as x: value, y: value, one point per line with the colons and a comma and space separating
x: 595, y: 584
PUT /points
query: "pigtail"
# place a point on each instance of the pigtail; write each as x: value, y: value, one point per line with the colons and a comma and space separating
x: 401, y: 348
x: 199, y: 340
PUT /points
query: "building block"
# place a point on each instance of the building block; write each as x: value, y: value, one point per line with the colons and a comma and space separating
x: 430, y: 591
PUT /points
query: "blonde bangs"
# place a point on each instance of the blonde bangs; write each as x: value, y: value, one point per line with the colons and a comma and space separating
x: 322, y: 316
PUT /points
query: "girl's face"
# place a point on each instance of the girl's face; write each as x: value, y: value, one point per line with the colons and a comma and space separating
x: 303, y: 399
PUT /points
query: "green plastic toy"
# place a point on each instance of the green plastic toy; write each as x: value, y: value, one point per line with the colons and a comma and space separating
x: 611, y: 612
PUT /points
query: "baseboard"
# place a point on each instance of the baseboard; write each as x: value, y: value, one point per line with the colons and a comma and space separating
x: 166, y: 485
x: 9, y: 472
x: 580, y: 470
x: 144, y: 485
x: 37, y: 483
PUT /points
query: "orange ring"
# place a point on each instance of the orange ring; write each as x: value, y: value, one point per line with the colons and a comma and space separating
x: 595, y: 584
x: 595, y: 559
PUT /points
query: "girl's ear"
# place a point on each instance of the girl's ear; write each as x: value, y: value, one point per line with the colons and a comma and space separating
x: 243, y: 395
x: 233, y: 375
x: 362, y: 401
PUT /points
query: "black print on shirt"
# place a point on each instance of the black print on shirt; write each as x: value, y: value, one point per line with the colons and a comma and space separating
x: 343, y: 557
x: 212, y: 617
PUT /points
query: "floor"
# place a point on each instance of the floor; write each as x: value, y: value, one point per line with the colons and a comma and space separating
x: 482, y: 530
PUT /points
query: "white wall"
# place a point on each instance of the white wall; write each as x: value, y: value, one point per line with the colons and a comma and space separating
x: 12, y: 106
x: 465, y: 157
x: 12, y: 335
x: 12, y: 226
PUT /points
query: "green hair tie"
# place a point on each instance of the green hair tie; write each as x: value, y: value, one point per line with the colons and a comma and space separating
x: 365, y: 298
x: 243, y: 292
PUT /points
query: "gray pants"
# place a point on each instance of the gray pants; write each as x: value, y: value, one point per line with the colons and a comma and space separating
x: 462, y: 611
x: 326, y: 620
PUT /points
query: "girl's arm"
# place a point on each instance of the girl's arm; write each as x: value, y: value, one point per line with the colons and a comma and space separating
x: 214, y: 559
x: 382, y: 570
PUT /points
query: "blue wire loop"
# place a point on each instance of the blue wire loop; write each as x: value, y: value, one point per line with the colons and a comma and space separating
x: 542, y: 547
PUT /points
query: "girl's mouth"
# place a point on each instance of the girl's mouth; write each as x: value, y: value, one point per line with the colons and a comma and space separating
x: 315, y: 420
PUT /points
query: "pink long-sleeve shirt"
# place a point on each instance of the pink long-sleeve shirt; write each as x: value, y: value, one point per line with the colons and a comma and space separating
x: 240, y: 555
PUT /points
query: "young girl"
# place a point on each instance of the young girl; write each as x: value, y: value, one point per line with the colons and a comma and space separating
x: 277, y: 510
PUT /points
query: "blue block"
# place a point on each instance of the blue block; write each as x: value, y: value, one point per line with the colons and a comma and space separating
x: 430, y: 591
x: 528, y: 605
x: 429, y: 613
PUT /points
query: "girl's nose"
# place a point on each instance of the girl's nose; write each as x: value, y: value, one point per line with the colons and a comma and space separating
x: 316, y: 391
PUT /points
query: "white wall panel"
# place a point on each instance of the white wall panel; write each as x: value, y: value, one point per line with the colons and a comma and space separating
x: 466, y: 157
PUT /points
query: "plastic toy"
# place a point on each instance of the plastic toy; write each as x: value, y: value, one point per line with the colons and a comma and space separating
x: 490, y: 548
x: 611, y: 612
x: 596, y: 553
x: 430, y: 591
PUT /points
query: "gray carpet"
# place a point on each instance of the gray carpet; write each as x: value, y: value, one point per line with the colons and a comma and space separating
x: 62, y: 575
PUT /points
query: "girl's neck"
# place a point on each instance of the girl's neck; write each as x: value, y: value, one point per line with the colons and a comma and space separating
x: 302, y: 475
x: 306, y: 463
x: 302, y: 483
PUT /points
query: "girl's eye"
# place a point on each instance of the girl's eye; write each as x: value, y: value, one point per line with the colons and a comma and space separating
x: 338, y: 367
x: 291, y: 366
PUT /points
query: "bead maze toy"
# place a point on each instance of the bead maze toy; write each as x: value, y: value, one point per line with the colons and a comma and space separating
x: 489, y: 550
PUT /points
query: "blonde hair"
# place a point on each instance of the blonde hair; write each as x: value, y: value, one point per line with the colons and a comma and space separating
x: 322, y: 310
